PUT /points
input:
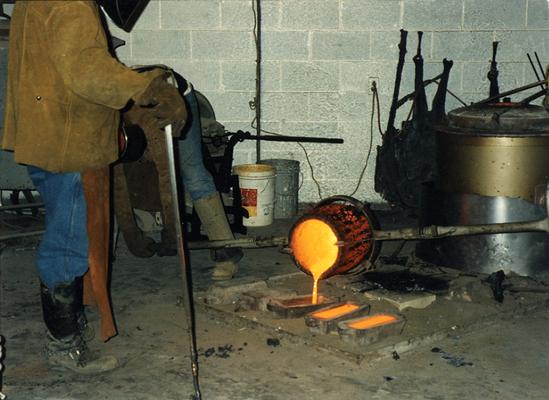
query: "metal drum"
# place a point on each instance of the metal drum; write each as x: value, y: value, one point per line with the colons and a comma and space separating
x: 490, y: 161
x: 349, y: 225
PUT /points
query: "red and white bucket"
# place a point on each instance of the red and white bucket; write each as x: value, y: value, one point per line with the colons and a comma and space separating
x: 257, y: 189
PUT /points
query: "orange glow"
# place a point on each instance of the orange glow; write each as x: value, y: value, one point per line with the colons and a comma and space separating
x: 315, y: 292
x: 373, y: 321
x: 335, y: 312
x: 314, y: 246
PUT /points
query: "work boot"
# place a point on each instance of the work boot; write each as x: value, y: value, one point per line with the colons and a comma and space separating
x: 85, y: 329
x: 63, y: 314
x: 212, y: 215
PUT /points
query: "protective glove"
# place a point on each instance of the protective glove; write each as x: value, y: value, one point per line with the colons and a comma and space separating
x: 160, y: 105
x: 142, y: 117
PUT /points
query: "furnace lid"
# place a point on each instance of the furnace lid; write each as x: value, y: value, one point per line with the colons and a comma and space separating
x: 502, y: 119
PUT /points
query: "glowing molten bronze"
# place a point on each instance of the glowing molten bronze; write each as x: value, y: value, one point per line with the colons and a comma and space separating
x: 314, y: 244
x: 372, y: 321
x: 335, y: 312
x: 331, y: 239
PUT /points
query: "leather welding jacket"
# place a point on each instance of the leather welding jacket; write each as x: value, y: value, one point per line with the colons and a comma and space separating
x: 64, y: 89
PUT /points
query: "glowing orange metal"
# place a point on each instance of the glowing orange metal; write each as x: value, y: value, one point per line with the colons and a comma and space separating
x: 331, y: 239
x: 335, y: 312
x: 373, y: 321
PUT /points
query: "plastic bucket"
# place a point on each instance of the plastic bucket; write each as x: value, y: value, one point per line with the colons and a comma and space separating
x: 257, y: 189
x: 286, y: 187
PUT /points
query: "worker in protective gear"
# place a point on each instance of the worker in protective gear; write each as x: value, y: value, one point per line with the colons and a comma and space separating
x: 200, y: 185
x: 63, y: 99
x: 197, y: 181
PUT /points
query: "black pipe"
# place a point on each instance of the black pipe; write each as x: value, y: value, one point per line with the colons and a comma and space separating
x: 303, y: 139
x: 540, y: 66
x: 507, y: 93
x: 534, y: 68
x: 258, y: 83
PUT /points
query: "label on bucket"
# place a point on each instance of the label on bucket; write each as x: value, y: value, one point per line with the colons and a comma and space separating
x: 257, y: 185
x: 249, y: 201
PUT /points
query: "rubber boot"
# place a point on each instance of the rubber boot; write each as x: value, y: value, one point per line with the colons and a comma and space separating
x: 86, y: 330
x: 62, y: 309
x: 212, y: 215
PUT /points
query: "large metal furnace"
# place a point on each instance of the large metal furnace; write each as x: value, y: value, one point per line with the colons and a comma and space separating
x: 492, y: 167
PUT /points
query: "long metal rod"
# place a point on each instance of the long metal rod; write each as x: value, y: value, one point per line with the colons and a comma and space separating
x: 245, y: 243
x: 185, y: 271
x: 534, y: 69
x: 425, y: 233
x: 21, y: 206
x: 532, y: 97
x: 455, y: 96
x: 437, y: 232
x: 540, y: 67
x: 258, y: 81
x: 304, y: 139
x: 20, y: 235
x: 507, y: 93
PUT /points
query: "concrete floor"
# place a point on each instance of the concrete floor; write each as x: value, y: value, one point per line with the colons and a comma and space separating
x: 505, y: 358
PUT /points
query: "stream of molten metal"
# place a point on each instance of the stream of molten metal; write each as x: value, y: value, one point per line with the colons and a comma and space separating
x: 314, y: 246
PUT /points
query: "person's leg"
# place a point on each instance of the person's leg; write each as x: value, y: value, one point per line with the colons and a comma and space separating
x: 197, y: 180
x: 62, y: 260
x: 206, y: 200
x: 63, y: 252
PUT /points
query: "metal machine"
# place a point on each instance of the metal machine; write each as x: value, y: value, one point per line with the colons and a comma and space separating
x: 491, y: 160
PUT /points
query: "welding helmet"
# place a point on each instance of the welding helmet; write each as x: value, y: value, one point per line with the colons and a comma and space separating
x: 124, y: 13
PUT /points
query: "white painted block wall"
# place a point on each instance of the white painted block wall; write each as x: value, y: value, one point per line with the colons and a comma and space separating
x: 319, y: 59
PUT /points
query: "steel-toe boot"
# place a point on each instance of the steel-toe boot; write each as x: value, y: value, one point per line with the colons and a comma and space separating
x: 212, y: 215
x: 67, y: 326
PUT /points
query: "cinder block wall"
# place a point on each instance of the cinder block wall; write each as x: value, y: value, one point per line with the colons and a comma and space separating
x: 320, y: 58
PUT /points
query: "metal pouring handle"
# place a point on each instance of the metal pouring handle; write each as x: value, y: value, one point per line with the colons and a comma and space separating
x: 185, y: 272
x: 437, y: 232
x: 245, y: 243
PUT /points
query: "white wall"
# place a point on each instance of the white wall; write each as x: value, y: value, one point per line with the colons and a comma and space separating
x: 319, y: 59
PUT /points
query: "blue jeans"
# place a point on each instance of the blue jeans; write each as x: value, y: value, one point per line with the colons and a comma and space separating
x: 196, y: 178
x: 63, y: 251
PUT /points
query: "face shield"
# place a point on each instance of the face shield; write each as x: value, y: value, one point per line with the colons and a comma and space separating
x: 124, y: 13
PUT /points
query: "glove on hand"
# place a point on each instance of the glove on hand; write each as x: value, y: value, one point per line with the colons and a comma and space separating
x: 144, y: 118
x: 160, y: 105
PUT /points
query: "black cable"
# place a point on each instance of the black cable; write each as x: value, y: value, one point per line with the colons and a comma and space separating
x: 375, y: 102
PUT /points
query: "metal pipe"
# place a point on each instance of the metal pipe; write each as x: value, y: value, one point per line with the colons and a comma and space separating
x: 507, y: 93
x: 258, y: 81
x: 437, y: 232
x: 185, y: 271
x: 20, y: 206
x: 20, y: 235
x: 540, y: 67
x: 282, y: 138
x: 245, y: 243
x: 534, y: 69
